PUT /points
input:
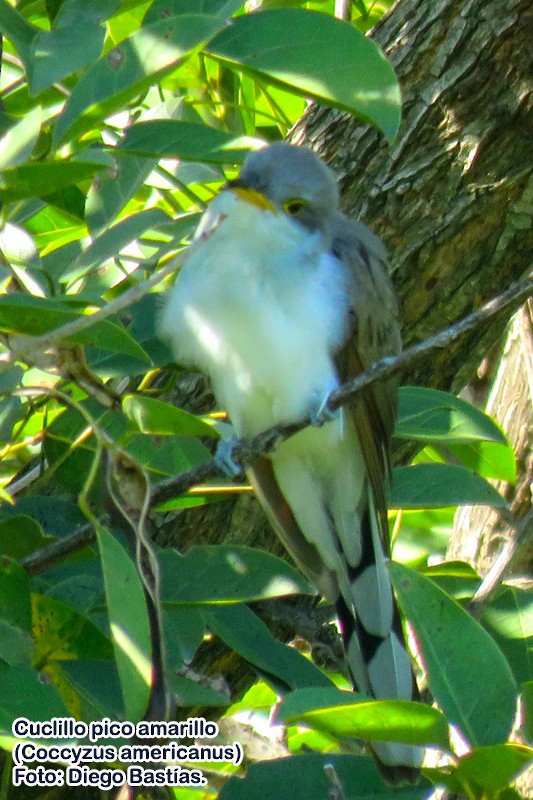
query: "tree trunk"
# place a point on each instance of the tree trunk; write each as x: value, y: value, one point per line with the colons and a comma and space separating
x: 452, y: 199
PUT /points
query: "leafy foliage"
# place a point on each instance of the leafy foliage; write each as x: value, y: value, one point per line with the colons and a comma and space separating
x: 121, y: 119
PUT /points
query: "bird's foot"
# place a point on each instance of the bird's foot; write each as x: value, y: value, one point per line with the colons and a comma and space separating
x: 224, y: 457
x: 320, y: 412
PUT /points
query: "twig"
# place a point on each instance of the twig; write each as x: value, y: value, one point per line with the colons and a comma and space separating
x: 245, y: 452
x: 48, y: 556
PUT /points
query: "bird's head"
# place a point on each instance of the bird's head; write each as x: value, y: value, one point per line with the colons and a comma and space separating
x: 290, y: 180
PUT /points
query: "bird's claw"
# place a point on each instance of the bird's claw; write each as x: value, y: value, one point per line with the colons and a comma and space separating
x: 224, y: 457
x: 320, y: 412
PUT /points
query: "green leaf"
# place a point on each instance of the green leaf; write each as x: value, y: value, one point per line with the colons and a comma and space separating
x: 225, y: 574
x: 142, y: 325
x: 439, y: 485
x: 33, y: 316
x: 317, y: 56
x: 16, y: 29
x: 130, y: 68
x: 17, y: 144
x: 54, y: 516
x: 82, y: 592
x: 23, y: 694
x: 508, y: 617
x: 130, y: 627
x: 488, y: 459
x: 156, y: 417
x: 43, y: 177
x: 432, y: 415
x: 348, y: 714
x: 221, y: 8
x: 303, y: 778
x: 169, y: 456
x: 493, y: 768
x: 113, y: 240
x: 191, y: 693
x: 61, y: 633
x: 184, y: 630
x: 186, y: 140
x: 114, y: 188
x: 21, y: 535
x: 456, y: 578
x: 283, y: 667
x: 460, y: 657
x: 97, y: 685
x: 11, y: 411
x: 15, y: 613
x: 10, y: 377
x: 76, y: 40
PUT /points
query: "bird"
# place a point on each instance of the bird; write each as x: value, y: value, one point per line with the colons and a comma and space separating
x: 286, y: 299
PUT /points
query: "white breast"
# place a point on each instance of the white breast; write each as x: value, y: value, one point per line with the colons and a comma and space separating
x: 260, y: 307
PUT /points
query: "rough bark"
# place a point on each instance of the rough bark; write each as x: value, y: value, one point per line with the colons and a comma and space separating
x: 452, y: 198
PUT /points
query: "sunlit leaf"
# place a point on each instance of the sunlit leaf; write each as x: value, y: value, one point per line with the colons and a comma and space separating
x: 508, y: 616
x: 440, y: 485
x: 42, y: 178
x: 75, y: 41
x: 32, y: 316
x: 156, y: 417
x: 433, y: 415
x: 317, y: 56
x: 494, y: 767
x: 348, y: 714
x: 17, y: 144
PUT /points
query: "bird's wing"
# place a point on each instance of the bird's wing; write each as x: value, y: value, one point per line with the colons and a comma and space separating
x: 374, y: 333
x: 375, y: 648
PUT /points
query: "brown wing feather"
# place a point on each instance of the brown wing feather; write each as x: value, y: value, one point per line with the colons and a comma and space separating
x: 281, y: 517
x: 375, y: 333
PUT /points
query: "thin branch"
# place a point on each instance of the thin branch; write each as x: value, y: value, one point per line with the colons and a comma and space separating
x: 245, y: 452
x: 48, y: 556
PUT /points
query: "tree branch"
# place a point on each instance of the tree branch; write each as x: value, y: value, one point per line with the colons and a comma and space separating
x: 245, y: 452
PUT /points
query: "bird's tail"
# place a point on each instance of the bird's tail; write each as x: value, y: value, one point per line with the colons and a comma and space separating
x: 377, y: 656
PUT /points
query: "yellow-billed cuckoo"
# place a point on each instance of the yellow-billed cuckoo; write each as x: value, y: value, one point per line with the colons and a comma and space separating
x: 286, y: 299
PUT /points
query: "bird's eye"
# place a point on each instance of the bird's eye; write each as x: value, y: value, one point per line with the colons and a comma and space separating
x: 294, y: 206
